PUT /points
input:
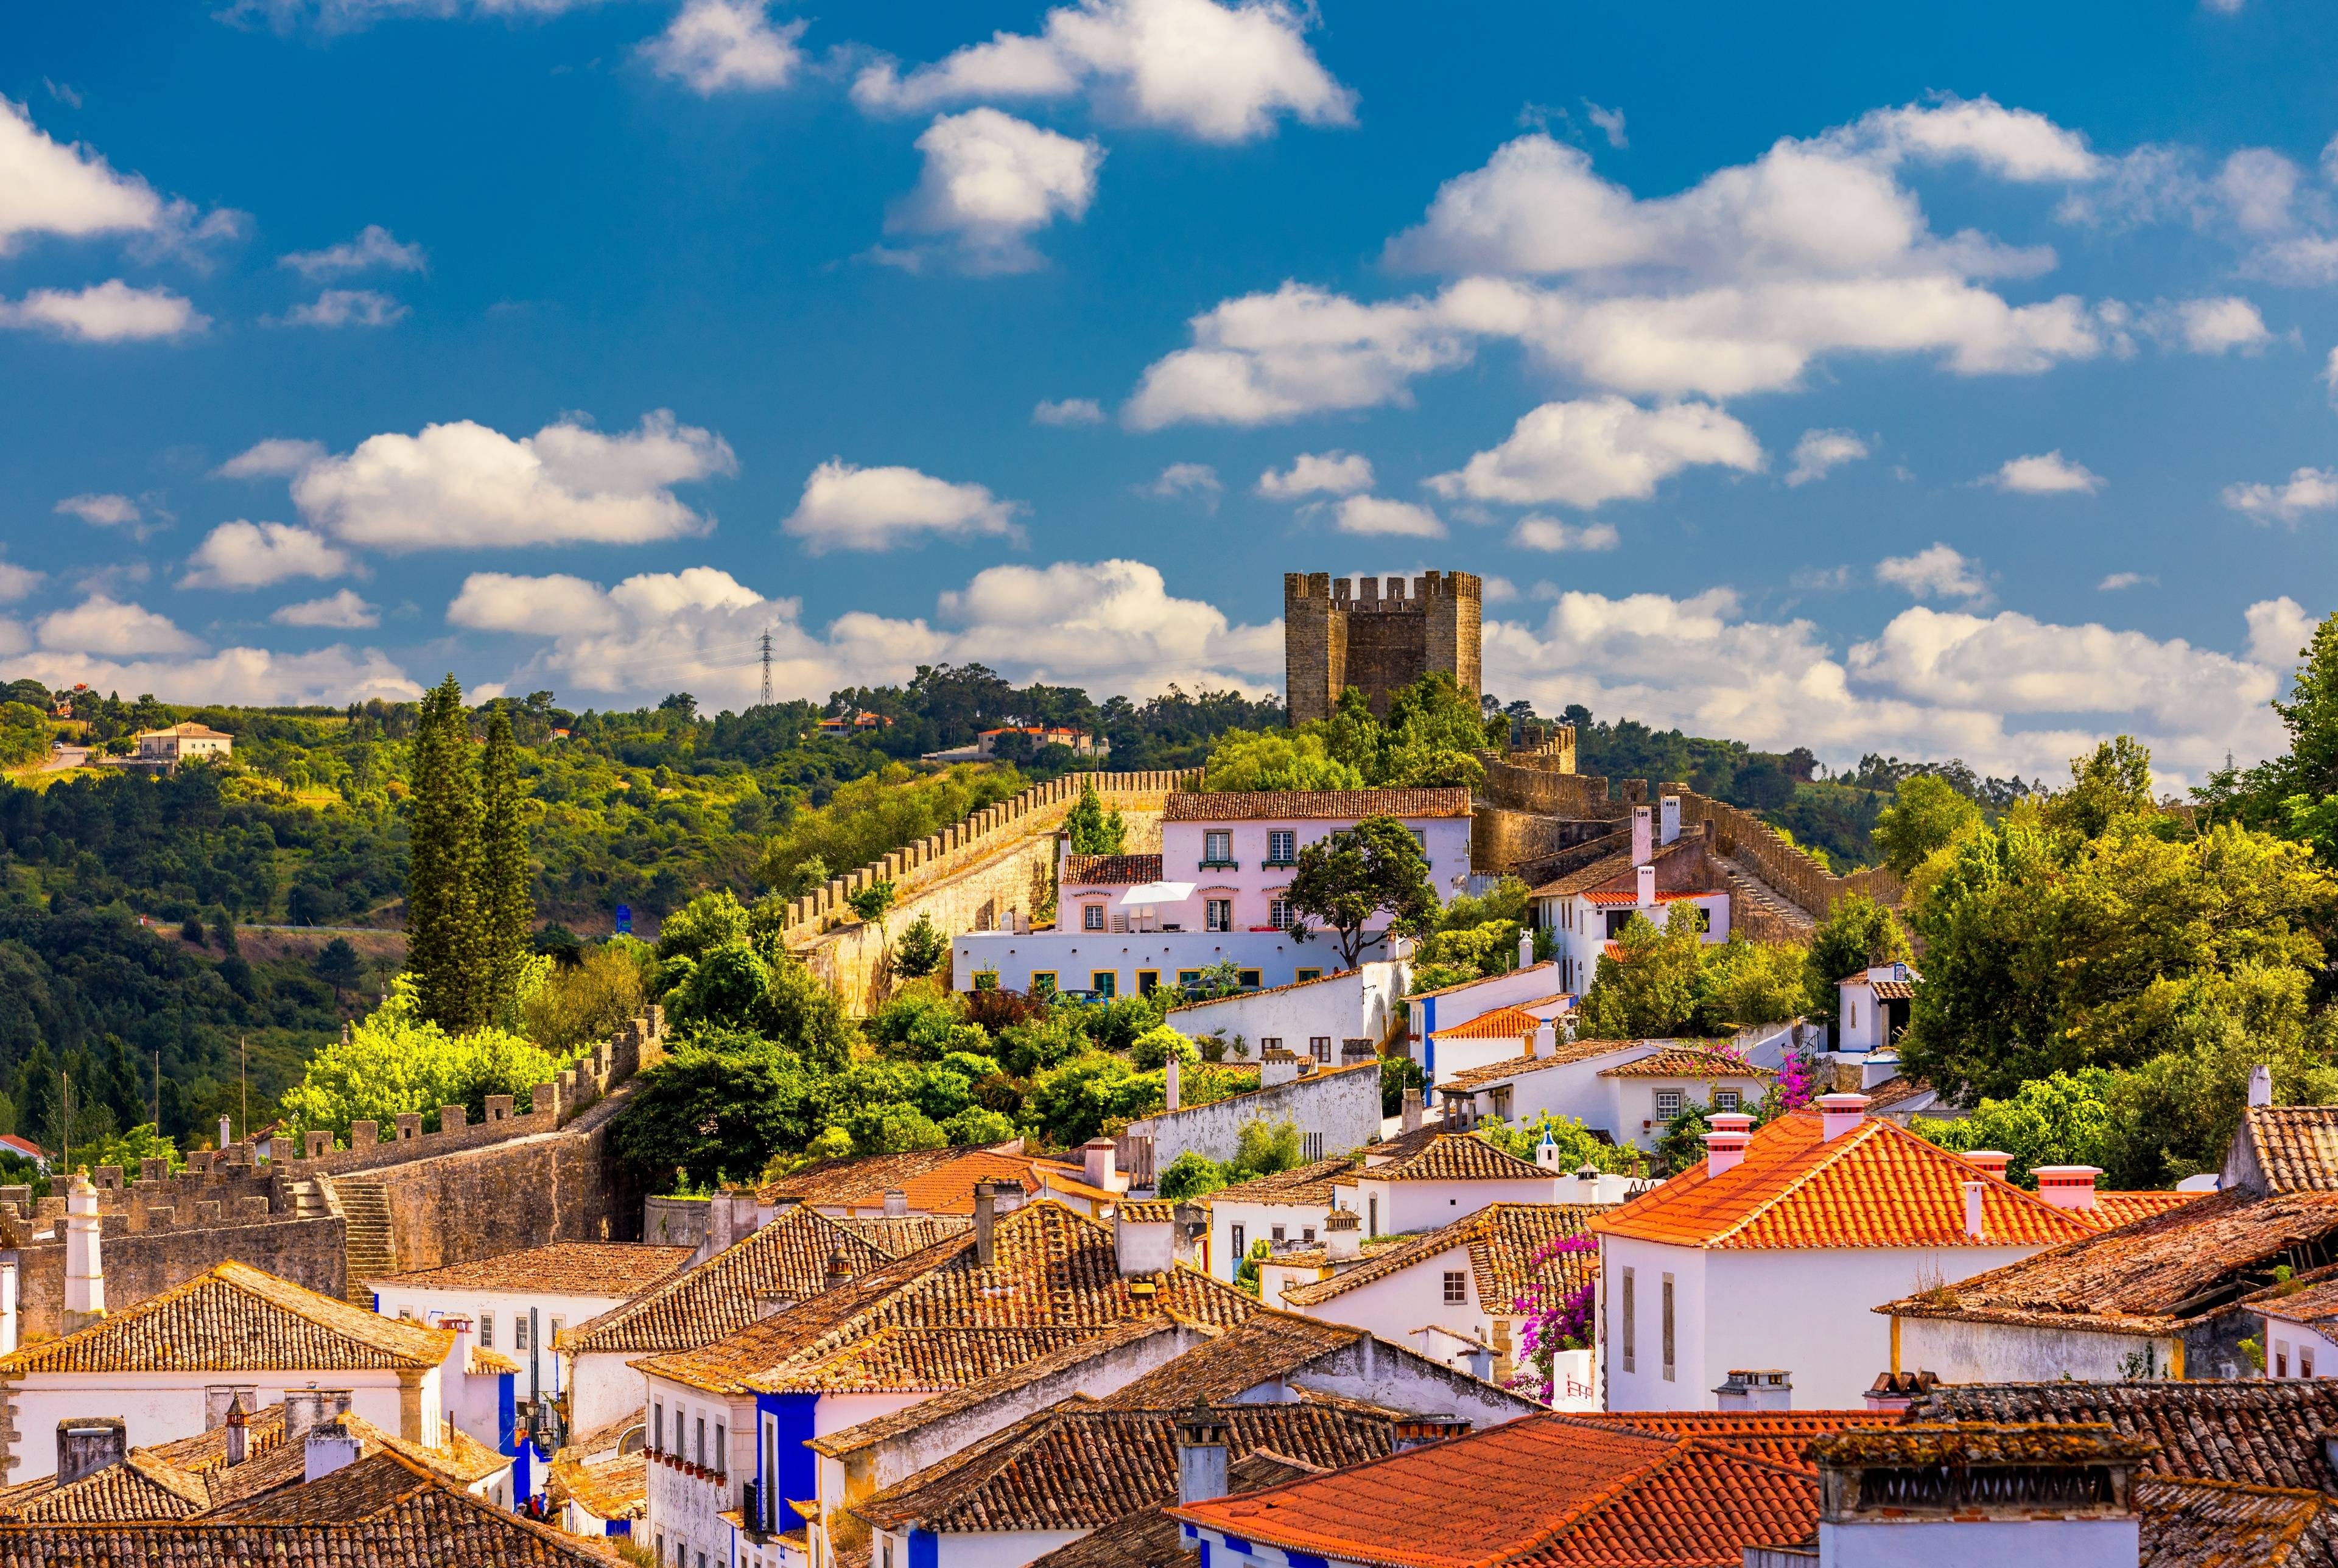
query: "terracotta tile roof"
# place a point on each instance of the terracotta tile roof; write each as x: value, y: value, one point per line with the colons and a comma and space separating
x: 1075, y: 1466
x: 1615, y: 866
x: 2295, y: 1146
x: 2113, y: 1209
x: 1257, y: 805
x: 1483, y: 980
x: 373, y: 1483
x: 1511, y: 1022
x: 1110, y: 870
x: 1149, y: 1538
x: 612, y: 1489
x: 2144, y: 1276
x: 604, y: 1439
x: 787, y: 1259
x: 967, y: 1396
x: 1906, y: 1444
x: 436, y: 1528
x: 1542, y: 1490
x: 1504, y: 1242
x: 1310, y: 1185
x: 1568, y: 1052
x: 1777, y: 1435
x: 564, y: 1268
x: 1876, y: 1185
x: 1269, y: 1346
x: 1893, y: 990
x: 2217, y: 1525
x: 1632, y: 895
x: 2262, y: 1432
x: 462, y: 1462
x: 938, y: 1181
x: 1311, y: 1255
x: 1403, y: 1146
x: 1456, y: 1157
x: 1882, y: 1097
x: 141, y: 1487
x: 234, y: 1318
x: 1689, y: 1062
x: 2314, y: 1306
x: 935, y: 1321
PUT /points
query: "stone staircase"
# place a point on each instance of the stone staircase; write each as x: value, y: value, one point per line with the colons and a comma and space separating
x: 312, y: 1200
x: 370, y: 1249
x: 1759, y: 909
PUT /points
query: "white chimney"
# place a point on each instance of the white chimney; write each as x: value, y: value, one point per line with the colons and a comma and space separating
x: 1586, y: 1184
x: 84, y: 1269
x: 1201, y: 1456
x: 1645, y: 888
x: 1526, y: 946
x: 330, y: 1447
x: 305, y: 1409
x: 1411, y: 1119
x: 459, y: 1358
x: 235, y: 1437
x: 1276, y: 1066
x: 1644, y: 846
x: 1670, y: 829
x: 1769, y: 1389
x: 2260, y: 1085
x: 1974, y: 1225
x: 1839, y: 1114
x: 2067, y: 1186
x: 8, y: 1322
x: 1993, y: 1160
x: 1096, y: 1156
x: 1144, y: 1239
x: 1169, y: 1084
x: 1544, y: 1042
x: 897, y: 1203
x: 1343, y: 1236
x: 1725, y: 1146
x: 224, y: 1140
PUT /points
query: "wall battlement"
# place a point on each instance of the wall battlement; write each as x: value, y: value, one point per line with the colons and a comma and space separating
x: 1376, y: 636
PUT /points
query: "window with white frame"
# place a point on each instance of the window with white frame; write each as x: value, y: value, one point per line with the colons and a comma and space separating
x: 1282, y: 847
x: 1279, y: 913
x: 1217, y: 848
x: 1457, y: 1287
x: 1236, y: 1232
x: 519, y: 1331
x: 1727, y: 1100
x: 1668, y: 1104
x: 1091, y: 916
x: 1217, y: 915
x: 487, y: 1330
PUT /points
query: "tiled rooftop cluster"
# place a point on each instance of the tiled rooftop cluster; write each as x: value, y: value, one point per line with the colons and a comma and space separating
x: 1505, y: 1241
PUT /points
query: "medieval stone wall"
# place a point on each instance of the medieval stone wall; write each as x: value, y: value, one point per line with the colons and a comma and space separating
x: 144, y: 1263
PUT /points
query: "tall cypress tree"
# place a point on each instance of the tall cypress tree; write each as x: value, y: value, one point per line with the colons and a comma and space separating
x: 507, y: 908
x: 444, y: 950
x: 37, y: 1106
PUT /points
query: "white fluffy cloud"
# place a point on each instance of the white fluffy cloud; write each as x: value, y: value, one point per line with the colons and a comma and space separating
x: 1732, y: 287
x: 1219, y: 72
x: 343, y: 611
x: 2279, y: 630
x: 462, y: 486
x: 2120, y: 582
x: 241, y: 555
x: 725, y: 45
x: 108, y: 312
x: 17, y: 581
x: 1821, y: 452
x: 2007, y: 693
x: 1549, y: 533
x: 1318, y: 474
x: 103, y: 625
x: 2046, y: 473
x: 1377, y: 514
x: 1935, y: 571
x: 345, y: 308
x: 2305, y: 490
x: 1186, y: 479
x: 1110, y: 626
x: 991, y: 181
x: 253, y: 676
x: 2219, y: 325
x: 103, y: 511
x: 1069, y: 411
x: 276, y: 457
x: 849, y: 508
x: 47, y: 188
x: 1583, y: 453
x: 374, y: 247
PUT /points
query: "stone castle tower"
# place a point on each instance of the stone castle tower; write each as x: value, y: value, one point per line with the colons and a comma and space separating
x: 1379, y: 643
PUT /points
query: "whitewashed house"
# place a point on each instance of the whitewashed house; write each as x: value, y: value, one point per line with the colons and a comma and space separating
x: 1873, y: 1011
x: 1770, y: 1252
x: 172, y: 1365
x: 1451, y: 1177
x: 1585, y: 910
x: 1626, y: 1089
x: 2300, y: 1339
x: 520, y: 1303
x: 1431, y: 1012
x: 1325, y: 1019
x: 1285, y: 1209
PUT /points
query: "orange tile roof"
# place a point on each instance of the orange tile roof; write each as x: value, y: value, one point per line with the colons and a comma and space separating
x: 1688, y: 1062
x: 1777, y: 1435
x: 1566, y: 1054
x: 2113, y: 1210
x: 1455, y: 1157
x: 1542, y: 1490
x: 937, y: 1180
x: 1505, y: 1241
x: 1511, y: 1022
x: 1110, y: 870
x: 1876, y: 1185
x: 1266, y: 805
x: 236, y: 1318
x: 2295, y: 1146
x: 1632, y: 896
x: 620, y: 1269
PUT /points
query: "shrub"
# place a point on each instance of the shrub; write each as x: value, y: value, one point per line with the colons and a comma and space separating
x: 1151, y: 1051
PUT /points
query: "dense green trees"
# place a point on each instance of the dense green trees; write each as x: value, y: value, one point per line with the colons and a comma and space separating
x: 1348, y: 878
x: 1857, y: 935
x: 1093, y: 830
x: 468, y: 909
x: 399, y: 1059
x: 1669, y: 983
x: 1431, y: 728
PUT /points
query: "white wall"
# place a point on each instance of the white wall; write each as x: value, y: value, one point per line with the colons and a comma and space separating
x: 1258, y: 1222
x: 1631, y: 1116
x: 505, y: 1307
x: 1860, y: 1021
x: 687, y: 1510
x: 601, y: 1389
x: 164, y: 1407
x: 1982, y: 1544
x: 1964, y: 1352
x: 1425, y: 1205
x: 1412, y: 1298
x: 1074, y: 955
x: 1354, y: 1005
x: 1644, y: 1386
x: 1459, y: 1004
x: 1575, y: 1090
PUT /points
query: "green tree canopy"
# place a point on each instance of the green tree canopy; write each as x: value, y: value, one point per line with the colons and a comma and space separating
x: 719, y: 1107
x: 1276, y: 759
x: 398, y: 1060
x: 1091, y: 828
x: 445, y: 947
x: 1346, y: 878
x: 1650, y: 991
x: 2064, y: 1119
x: 1927, y: 814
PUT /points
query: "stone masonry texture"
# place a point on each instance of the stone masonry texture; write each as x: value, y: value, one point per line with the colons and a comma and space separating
x: 1336, y: 635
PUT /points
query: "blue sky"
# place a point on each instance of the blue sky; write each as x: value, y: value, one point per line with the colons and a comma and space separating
x: 1923, y: 380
